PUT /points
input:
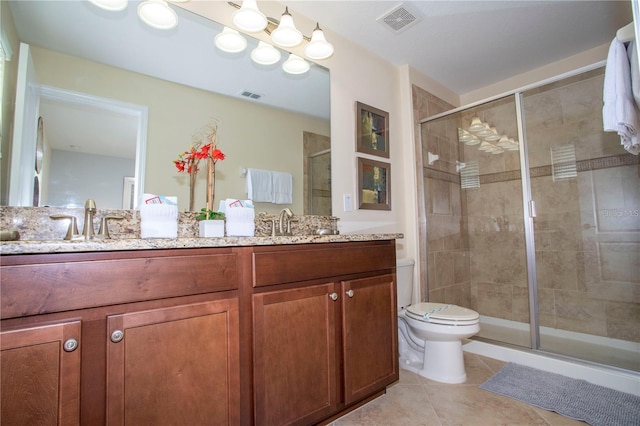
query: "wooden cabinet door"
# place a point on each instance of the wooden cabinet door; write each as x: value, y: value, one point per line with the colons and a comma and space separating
x: 40, y: 375
x: 174, y: 366
x: 295, y: 362
x: 370, y: 335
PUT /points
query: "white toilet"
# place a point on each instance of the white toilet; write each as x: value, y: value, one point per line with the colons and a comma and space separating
x: 430, y: 334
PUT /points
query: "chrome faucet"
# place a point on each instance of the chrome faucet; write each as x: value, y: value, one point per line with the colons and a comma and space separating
x: 284, y: 222
x: 90, y: 210
x: 88, y: 232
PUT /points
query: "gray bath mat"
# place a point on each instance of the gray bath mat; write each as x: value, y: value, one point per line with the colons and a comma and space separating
x: 577, y: 399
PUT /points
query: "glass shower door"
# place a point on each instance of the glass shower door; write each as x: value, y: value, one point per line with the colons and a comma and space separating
x: 586, y: 190
x: 476, y: 253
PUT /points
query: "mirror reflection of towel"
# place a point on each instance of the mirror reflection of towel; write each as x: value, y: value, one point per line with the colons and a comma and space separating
x: 282, y: 188
x: 260, y: 185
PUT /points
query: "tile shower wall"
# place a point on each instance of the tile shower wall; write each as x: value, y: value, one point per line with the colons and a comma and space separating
x: 448, y: 259
x: 440, y: 218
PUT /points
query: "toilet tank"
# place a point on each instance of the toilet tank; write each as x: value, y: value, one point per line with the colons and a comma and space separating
x: 404, y: 276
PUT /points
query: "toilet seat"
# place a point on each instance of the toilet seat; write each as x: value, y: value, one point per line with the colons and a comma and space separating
x: 444, y: 314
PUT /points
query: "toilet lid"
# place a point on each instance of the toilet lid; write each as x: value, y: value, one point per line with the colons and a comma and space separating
x: 441, y: 313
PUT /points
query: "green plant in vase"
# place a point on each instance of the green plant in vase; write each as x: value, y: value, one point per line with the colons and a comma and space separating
x: 210, y: 215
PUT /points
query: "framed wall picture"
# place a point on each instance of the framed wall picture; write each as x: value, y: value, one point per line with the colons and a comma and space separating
x: 372, y: 130
x: 374, y: 184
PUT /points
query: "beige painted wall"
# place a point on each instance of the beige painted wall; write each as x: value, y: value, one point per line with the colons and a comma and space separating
x: 587, y: 59
x: 249, y: 134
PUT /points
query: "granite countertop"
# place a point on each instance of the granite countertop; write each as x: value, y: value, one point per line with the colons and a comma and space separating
x: 33, y: 247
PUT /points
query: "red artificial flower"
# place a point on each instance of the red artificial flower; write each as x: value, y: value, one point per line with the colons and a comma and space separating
x: 204, y: 152
x: 188, y: 160
x: 179, y: 165
x: 217, y: 155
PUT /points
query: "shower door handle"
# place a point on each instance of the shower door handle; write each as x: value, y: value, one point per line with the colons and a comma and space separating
x: 533, y: 213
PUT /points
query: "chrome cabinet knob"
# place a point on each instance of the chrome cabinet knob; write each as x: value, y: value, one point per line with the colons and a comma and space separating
x: 117, y: 336
x: 70, y: 345
x: 350, y: 293
x: 334, y: 296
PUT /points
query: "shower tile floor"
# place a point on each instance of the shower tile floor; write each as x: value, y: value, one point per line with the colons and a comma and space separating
x: 416, y: 401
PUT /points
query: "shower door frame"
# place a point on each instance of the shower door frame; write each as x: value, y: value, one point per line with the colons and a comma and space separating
x: 529, y: 211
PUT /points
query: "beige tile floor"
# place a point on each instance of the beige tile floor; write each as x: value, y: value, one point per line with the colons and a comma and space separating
x: 416, y: 401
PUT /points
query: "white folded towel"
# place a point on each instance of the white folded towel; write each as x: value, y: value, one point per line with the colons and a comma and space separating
x: 158, y: 221
x: 260, y: 185
x: 282, y: 188
x: 240, y: 217
x: 152, y: 228
x: 619, y: 111
x: 158, y: 211
x: 240, y: 229
x: 240, y: 214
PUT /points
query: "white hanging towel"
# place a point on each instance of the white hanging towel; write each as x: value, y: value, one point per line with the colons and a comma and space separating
x: 632, y: 52
x: 260, y: 185
x: 619, y: 111
x: 282, y: 188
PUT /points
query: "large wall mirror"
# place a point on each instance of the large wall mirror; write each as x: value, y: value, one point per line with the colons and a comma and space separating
x: 119, y: 101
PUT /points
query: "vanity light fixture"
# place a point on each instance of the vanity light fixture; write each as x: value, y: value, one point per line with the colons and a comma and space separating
x: 464, y: 136
x: 508, y: 144
x: 249, y: 18
x: 286, y: 35
x: 488, y: 147
x: 157, y: 14
x: 476, y: 125
x: 488, y: 137
x: 265, y: 54
x: 295, y: 65
x: 283, y: 33
x: 110, y: 5
x: 485, y: 132
x: 230, y: 40
x: 494, y: 136
x: 318, y: 47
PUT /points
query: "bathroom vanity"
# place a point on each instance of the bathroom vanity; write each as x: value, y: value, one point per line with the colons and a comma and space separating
x: 246, y: 332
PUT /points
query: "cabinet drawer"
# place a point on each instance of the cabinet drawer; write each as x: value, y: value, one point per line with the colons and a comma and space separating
x: 101, y: 280
x: 284, y: 264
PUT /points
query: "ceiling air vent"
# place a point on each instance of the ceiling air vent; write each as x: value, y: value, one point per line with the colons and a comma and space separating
x: 399, y: 19
x: 250, y: 95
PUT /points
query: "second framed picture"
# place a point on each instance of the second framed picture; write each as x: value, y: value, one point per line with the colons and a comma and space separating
x: 372, y: 130
x: 374, y: 185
